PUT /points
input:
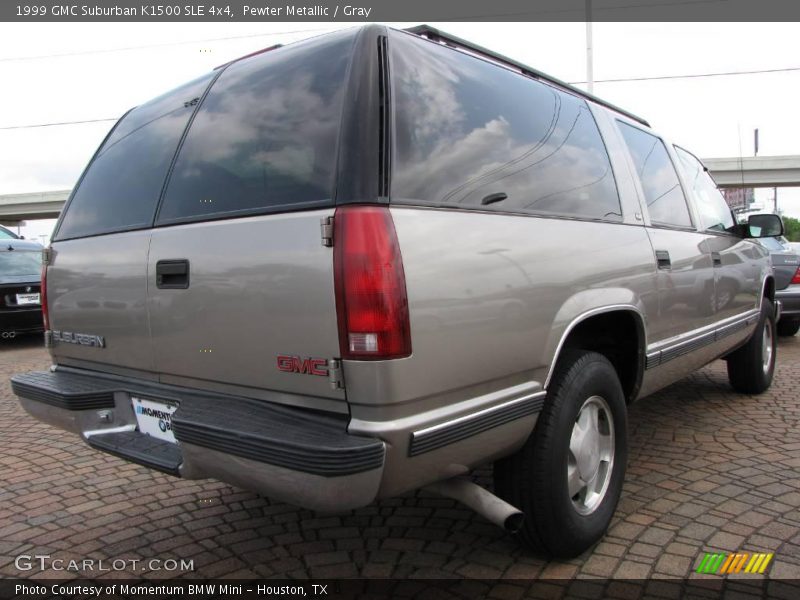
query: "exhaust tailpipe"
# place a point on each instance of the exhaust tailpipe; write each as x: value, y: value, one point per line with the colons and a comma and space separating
x: 481, y: 500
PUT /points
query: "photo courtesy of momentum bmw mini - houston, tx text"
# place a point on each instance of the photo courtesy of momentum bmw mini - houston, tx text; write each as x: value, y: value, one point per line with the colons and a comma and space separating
x: 404, y: 293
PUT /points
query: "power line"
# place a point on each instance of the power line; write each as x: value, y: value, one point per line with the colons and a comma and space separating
x: 145, y: 46
x: 692, y: 76
x: 58, y: 124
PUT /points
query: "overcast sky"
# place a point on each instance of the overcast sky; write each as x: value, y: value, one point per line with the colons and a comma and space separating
x: 108, y: 67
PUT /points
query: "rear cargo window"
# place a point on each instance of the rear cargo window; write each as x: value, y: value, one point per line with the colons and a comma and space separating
x: 265, y: 136
x: 120, y: 189
x: 469, y: 132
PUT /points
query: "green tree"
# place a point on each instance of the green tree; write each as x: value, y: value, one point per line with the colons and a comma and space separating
x: 792, y: 229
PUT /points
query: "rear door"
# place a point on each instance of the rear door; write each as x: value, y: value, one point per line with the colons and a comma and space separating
x: 97, y: 276
x: 682, y: 257
x: 240, y: 286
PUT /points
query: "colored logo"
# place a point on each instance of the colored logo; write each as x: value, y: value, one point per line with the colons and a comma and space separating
x: 714, y: 563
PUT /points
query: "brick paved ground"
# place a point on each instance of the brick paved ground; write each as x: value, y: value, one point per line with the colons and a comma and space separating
x: 709, y: 470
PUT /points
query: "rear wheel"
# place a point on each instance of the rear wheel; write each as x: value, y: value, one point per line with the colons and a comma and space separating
x: 751, y: 367
x: 788, y: 327
x: 568, y: 477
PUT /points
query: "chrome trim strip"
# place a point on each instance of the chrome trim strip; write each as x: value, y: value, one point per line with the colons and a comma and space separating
x: 687, y: 346
x: 693, y: 340
x: 653, y: 359
x: 460, y: 428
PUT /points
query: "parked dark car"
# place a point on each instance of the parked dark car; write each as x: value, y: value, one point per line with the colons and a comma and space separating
x: 20, y: 283
x: 786, y: 264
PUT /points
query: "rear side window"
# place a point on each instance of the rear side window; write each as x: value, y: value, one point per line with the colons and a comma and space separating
x: 121, y: 187
x: 715, y: 214
x: 468, y: 132
x: 265, y: 136
x: 666, y: 203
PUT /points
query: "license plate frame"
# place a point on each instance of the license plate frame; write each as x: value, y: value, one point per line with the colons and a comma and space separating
x: 32, y: 299
x: 154, y: 417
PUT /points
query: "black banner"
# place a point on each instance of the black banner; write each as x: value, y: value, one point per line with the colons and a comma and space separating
x: 407, y: 10
x: 228, y: 589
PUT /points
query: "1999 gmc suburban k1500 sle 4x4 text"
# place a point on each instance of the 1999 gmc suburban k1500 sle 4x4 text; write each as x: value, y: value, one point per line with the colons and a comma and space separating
x: 369, y: 262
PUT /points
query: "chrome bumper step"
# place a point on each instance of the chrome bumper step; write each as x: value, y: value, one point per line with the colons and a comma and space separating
x: 140, y: 448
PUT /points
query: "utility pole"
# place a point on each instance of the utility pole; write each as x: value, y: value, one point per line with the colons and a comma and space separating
x: 589, y: 50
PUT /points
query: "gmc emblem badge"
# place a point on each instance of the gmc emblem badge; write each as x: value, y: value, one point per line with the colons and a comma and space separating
x: 304, y: 366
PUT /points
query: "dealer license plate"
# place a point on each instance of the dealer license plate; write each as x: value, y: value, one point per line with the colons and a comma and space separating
x: 26, y: 299
x: 154, y: 418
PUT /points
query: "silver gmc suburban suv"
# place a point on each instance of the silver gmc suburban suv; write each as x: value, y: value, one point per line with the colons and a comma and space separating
x: 372, y: 261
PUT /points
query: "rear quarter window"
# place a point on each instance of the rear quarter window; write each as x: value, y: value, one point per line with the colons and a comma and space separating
x: 467, y: 129
x: 265, y: 137
x: 121, y: 187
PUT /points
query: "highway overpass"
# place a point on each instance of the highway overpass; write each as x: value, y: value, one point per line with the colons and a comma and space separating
x: 755, y: 171
x: 759, y: 171
x: 36, y: 205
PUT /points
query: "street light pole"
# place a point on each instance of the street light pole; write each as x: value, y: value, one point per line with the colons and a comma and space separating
x: 589, y: 58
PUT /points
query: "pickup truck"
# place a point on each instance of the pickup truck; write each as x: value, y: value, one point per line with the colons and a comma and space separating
x: 372, y: 261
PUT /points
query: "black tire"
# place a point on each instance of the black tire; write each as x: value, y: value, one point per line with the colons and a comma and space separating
x: 535, y: 478
x: 750, y: 368
x: 788, y: 327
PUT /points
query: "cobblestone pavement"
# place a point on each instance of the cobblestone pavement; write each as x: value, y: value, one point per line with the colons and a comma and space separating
x: 709, y: 470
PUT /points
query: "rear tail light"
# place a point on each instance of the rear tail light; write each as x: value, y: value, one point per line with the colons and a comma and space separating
x: 796, y: 278
x: 371, y: 300
x: 43, y: 297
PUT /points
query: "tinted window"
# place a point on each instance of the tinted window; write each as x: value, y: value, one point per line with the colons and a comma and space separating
x: 120, y: 189
x: 5, y: 234
x: 467, y: 129
x: 715, y: 214
x: 662, y: 190
x: 21, y: 262
x: 265, y: 135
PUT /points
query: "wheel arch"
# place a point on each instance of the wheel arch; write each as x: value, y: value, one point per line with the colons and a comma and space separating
x: 618, y: 333
x: 768, y: 289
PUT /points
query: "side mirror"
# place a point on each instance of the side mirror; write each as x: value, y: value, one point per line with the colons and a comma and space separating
x: 761, y: 226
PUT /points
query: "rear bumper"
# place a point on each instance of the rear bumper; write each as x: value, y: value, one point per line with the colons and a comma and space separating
x: 790, y: 301
x: 295, y: 455
x: 22, y: 320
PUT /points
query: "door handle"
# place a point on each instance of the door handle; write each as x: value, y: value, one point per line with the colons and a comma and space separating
x: 172, y: 274
x: 716, y: 258
x: 663, y: 259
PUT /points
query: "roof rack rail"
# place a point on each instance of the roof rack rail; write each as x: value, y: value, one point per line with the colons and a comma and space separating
x: 436, y: 35
x: 257, y: 52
